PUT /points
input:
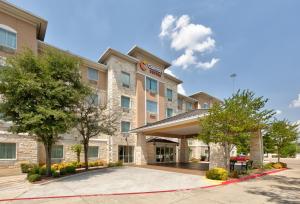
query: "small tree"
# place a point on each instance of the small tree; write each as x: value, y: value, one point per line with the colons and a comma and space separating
x: 94, y: 119
x: 77, y: 148
x: 39, y: 94
x: 234, y: 121
x: 268, y: 143
x: 205, y: 136
x: 282, y: 133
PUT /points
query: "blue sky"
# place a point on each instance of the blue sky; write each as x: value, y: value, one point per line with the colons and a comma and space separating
x: 257, y: 40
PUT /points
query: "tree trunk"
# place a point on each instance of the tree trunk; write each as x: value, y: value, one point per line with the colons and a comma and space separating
x: 208, y: 150
x: 86, y: 160
x: 48, y: 148
x: 78, y: 157
x: 227, y: 156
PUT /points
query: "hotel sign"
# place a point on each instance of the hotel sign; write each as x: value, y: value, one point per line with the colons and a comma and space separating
x: 152, y: 69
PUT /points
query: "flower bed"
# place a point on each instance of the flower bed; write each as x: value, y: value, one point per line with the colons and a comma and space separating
x: 38, y: 172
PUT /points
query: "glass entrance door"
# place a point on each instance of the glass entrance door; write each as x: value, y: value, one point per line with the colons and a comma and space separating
x: 164, y: 154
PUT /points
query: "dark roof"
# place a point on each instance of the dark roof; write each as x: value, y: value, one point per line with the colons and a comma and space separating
x: 176, y: 117
x: 161, y: 140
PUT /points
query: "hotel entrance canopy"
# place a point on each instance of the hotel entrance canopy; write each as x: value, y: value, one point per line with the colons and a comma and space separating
x: 184, y: 124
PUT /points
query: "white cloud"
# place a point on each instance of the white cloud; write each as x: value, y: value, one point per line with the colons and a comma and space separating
x: 208, y: 65
x: 180, y: 88
x: 295, y: 103
x: 278, y: 112
x: 192, y: 39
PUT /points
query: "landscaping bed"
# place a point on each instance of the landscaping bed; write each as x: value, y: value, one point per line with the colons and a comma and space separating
x: 37, y: 173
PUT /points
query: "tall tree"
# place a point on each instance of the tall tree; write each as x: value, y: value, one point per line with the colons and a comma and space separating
x: 39, y: 95
x: 282, y: 134
x: 233, y: 121
x: 94, y: 119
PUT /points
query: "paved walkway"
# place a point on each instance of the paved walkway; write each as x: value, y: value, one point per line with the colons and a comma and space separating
x: 282, y: 187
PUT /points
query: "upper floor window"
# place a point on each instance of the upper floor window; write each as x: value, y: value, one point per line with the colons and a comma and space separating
x: 57, y: 151
x: 125, y: 102
x: 125, y: 79
x: 151, y: 106
x: 93, y: 74
x: 169, y: 112
x: 180, y: 103
x: 7, y: 151
x: 189, y: 106
x: 151, y: 85
x: 93, y: 99
x: 205, y: 106
x: 93, y: 151
x: 169, y: 94
x: 8, y: 37
x: 125, y: 126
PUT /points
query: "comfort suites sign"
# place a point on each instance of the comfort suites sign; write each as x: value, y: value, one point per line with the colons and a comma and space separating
x: 152, y: 69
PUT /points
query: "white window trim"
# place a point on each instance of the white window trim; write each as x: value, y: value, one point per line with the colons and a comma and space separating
x: 129, y: 125
x: 63, y: 151
x: 16, y: 152
x: 10, y: 29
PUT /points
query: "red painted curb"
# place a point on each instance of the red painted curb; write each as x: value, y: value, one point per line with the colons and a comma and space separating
x: 148, y: 192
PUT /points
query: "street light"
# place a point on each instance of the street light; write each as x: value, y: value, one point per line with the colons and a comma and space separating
x: 233, y: 81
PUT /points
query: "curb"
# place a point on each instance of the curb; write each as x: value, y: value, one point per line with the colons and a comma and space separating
x: 148, y: 192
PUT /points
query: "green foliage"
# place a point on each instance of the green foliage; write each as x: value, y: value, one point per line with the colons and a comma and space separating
x: 40, y: 93
x: 234, y: 174
x: 289, y: 150
x: 115, y: 164
x: 279, y: 165
x: 77, y: 148
x: 26, y: 167
x: 42, y: 170
x: 34, y: 177
x: 282, y: 134
x: 231, y: 123
x: 268, y: 165
x: 217, y: 174
x: 55, y: 174
x: 70, y: 169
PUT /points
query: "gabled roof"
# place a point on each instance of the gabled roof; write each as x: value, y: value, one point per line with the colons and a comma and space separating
x: 187, y: 97
x: 205, y: 94
x: 193, y: 114
x: 137, y: 49
x: 110, y: 51
x: 168, y: 76
x: 40, y: 23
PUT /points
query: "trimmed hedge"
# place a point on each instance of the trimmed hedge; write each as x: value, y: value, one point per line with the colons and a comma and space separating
x: 34, y: 177
x: 217, y: 174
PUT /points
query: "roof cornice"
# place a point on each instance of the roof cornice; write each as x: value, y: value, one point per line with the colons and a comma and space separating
x: 110, y: 51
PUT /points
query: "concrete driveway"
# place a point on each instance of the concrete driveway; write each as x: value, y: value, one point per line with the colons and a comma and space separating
x: 113, y: 180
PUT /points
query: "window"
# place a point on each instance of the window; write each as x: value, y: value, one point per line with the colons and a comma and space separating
x: 125, y: 102
x: 169, y: 94
x: 126, y: 153
x: 8, y: 38
x: 188, y: 106
x: 93, y: 99
x: 180, y: 103
x: 125, y: 126
x: 151, y: 107
x: 151, y: 85
x: 57, y: 151
x: 93, y: 151
x: 205, y: 106
x: 7, y: 150
x: 169, y: 112
x: 93, y: 74
x: 125, y: 79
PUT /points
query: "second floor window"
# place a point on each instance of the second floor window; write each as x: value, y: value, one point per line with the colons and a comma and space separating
x: 8, y: 39
x: 169, y: 94
x: 189, y: 106
x: 180, y: 103
x: 125, y: 102
x: 93, y: 99
x: 125, y: 126
x: 151, y: 85
x: 125, y: 79
x: 93, y: 74
x: 151, y: 107
x: 169, y: 112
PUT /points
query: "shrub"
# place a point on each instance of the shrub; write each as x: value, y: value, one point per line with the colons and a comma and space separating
x: 101, y: 163
x: 42, y: 170
x: 234, y: 174
x: 279, y: 165
x: 119, y: 163
x: 217, y: 174
x: 35, y: 169
x: 268, y: 165
x: 114, y: 164
x: 55, y: 174
x: 34, y: 177
x: 284, y: 165
x: 70, y: 169
x: 92, y: 164
x: 194, y: 160
x: 25, y: 167
x: 62, y: 171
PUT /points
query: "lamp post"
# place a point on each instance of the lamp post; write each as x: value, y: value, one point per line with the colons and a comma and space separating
x: 233, y: 81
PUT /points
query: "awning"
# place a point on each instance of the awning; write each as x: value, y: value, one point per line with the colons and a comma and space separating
x: 184, y: 124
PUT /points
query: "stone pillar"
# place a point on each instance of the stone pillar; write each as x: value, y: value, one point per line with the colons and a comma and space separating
x: 184, y: 150
x: 256, y: 149
x: 216, y: 156
x: 141, y: 150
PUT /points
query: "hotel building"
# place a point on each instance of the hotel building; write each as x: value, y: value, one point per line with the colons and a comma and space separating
x: 157, y: 123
